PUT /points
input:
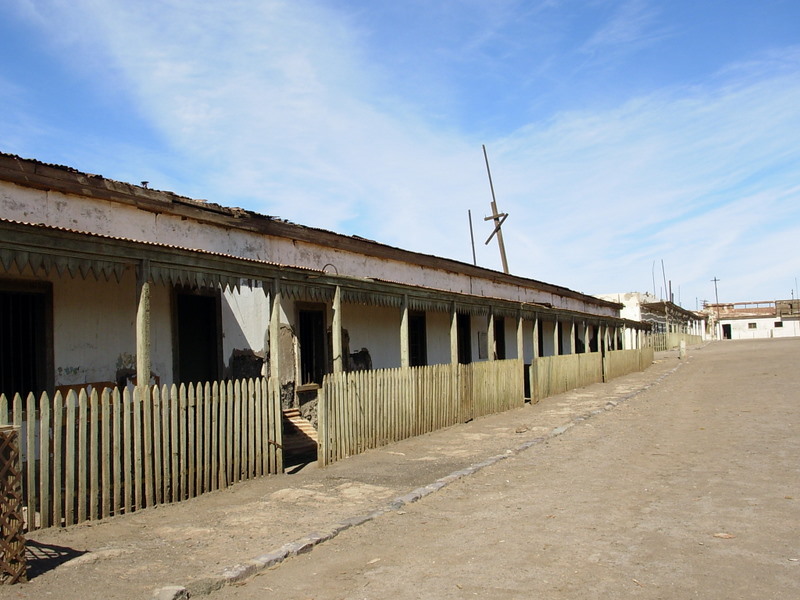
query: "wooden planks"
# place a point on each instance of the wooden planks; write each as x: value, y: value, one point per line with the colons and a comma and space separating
x: 96, y: 455
x: 368, y: 409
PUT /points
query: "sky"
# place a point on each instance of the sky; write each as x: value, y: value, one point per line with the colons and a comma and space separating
x: 631, y: 142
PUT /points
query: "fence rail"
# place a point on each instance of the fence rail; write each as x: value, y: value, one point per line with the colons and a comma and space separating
x: 90, y: 456
x: 368, y: 409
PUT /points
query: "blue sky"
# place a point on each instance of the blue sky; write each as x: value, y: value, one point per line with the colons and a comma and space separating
x: 620, y: 133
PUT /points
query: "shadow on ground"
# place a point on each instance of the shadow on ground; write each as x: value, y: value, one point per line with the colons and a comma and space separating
x: 46, y: 557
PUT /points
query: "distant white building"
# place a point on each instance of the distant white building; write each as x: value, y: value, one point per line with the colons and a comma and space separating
x: 762, y: 319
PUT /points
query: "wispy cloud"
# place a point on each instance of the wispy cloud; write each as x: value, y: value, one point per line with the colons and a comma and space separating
x: 280, y: 107
x: 632, y: 24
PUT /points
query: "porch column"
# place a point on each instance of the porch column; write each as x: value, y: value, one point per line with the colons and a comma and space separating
x: 599, y: 336
x: 572, y: 348
x: 555, y: 337
x: 520, y: 342
x: 535, y: 337
x: 491, y: 349
x: 274, y: 334
x: 453, y: 335
x: 336, y: 331
x: 405, y: 354
x: 143, y: 325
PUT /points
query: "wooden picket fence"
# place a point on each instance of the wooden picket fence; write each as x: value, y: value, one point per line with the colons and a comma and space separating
x: 622, y: 362
x: 367, y: 409
x: 91, y: 456
x: 661, y: 342
x: 551, y: 375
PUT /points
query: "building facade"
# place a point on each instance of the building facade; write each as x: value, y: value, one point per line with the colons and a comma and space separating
x: 756, y: 320
x: 102, y: 282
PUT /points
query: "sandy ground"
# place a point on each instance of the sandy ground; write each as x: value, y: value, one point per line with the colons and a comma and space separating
x: 690, y: 490
x: 686, y: 489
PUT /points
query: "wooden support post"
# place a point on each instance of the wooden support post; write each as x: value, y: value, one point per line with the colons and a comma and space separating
x: 453, y: 335
x: 491, y: 343
x: 520, y: 341
x: 274, y: 333
x: 143, y: 325
x: 336, y: 331
x: 555, y: 337
x: 535, y: 337
x: 572, y: 349
x: 405, y: 352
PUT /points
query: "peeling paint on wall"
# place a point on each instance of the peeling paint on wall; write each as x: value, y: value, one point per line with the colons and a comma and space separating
x: 245, y: 364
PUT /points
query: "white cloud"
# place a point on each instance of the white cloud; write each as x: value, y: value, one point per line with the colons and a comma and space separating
x: 278, y: 105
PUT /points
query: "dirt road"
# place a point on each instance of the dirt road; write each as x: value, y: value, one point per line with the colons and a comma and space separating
x: 689, y: 490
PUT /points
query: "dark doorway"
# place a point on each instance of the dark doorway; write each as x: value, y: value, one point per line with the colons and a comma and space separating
x: 540, y: 339
x: 198, y: 347
x: 417, y: 339
x: 313, y: 355
x: 25, y: 339
x: 464, y: 340
x: 560, y: 338
x: 726, y: 332
x: 499, y: 338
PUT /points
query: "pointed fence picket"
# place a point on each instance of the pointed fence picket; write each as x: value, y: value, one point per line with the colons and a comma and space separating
x: 368, y: 409
x: 88, y: 456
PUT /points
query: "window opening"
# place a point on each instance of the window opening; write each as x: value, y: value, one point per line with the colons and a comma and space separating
x: 198, y: 337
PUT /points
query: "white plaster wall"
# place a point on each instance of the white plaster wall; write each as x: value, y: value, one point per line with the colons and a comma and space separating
x: 110, y: 218
x: 375, y: 328
x: 94, y: 329
x: 765, y: 328
x: 479, y: 326
x: 567, y: 341
x: 510, y: 326
x: 527, y: 341
x: 548, y: 348
x: 632, y: 303
x: 437, y: 332
x: 161, y: 349
x: 245, y: 321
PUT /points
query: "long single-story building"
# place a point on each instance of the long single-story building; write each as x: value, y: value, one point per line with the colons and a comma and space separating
x: 101, y: 281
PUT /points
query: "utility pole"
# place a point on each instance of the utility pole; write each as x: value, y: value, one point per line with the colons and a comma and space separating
x: 472, y: 239
x: 497, y: 217
x: 716, y: 297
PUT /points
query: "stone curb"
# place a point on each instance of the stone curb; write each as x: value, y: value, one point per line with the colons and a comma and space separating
x: 241, y: 572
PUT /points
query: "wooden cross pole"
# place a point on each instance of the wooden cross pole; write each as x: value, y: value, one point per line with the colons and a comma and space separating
x: 498, y: 218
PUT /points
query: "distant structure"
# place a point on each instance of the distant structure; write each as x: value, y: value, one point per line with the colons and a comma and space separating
x: 662, y: 315
x: 752, y: 320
